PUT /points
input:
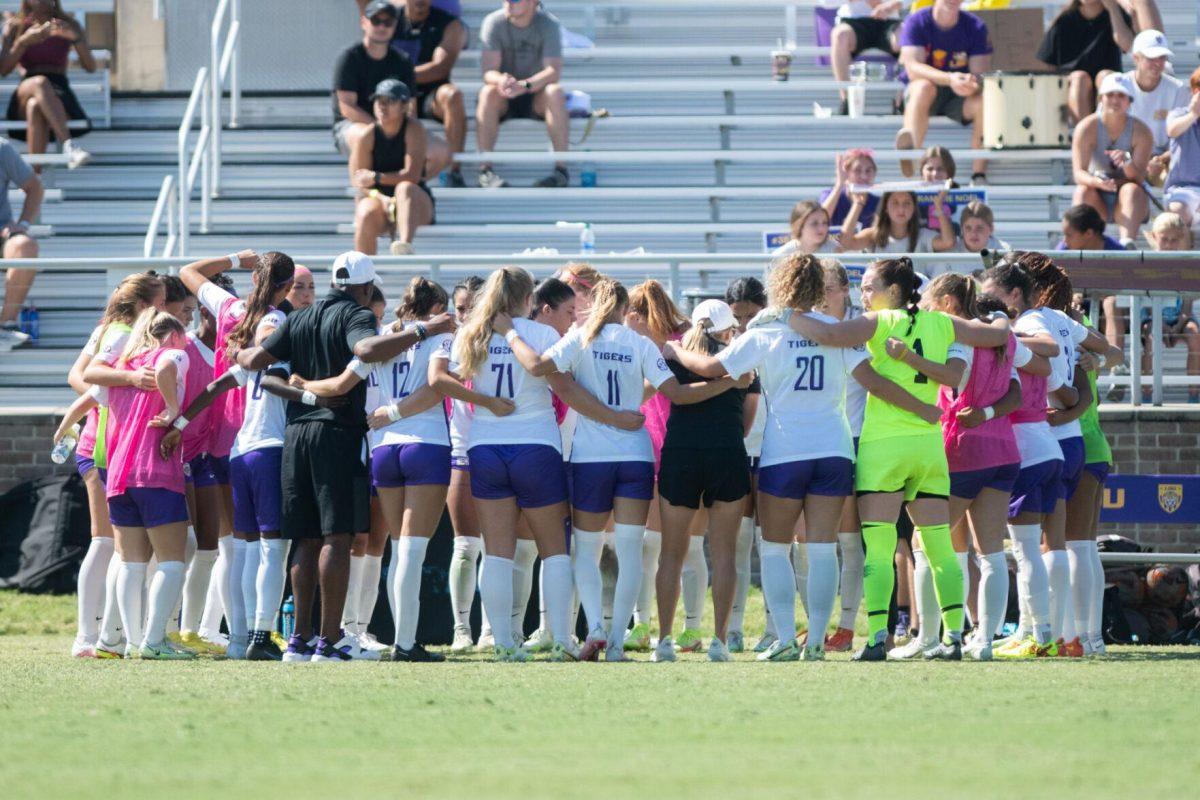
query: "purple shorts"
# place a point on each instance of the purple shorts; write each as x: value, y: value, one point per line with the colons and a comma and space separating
x: 256, y: 478
x: 147, y: 508
x: 832, y: 476
x: 532, y: 473
x: 208, y: 471
x: 395, y: 465
x: 1072, y: 469
x: 1099, y: 470
x: 594, y: 485
x: 85, y: 464
x: 1036, y: 489
x: 969, y: 483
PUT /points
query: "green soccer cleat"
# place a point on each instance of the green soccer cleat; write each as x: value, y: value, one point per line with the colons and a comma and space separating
x: 689, y: 641
x: 638, y: 637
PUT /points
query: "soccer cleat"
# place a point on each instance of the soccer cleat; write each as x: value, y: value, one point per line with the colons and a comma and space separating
x: 664, y: 651
x: 945, y: 651
x: 416, y: 654
x: 592, y: 646
x: 1048, y: 650
x: 1073, y: 649
x: 565, y: 652
x: 840, y: 641
x: 263, y: 648
x: 911, y: 649
x: 236, y: 650
x: 615, y: 652
x: 978, y: 650
x: 104, y: 650
x: 462, y: 640
x: 638, y: 637
x: 872, y: 650
x: 345, y: 649
x: 279, y: 641
x: 510, y: 655
x: 132, y: 651
x: 367, y: 641
x: 197, y: 643
x: 903, y: 627
x: 1026, y: 648
x: 164, y: 651
x: 717, y: 651
x: 780, y: 651
x: 736, y: 642
x: 814, y: 653
x: 218, y: 638
x: 689, y: 641
x: 299, y: 649
x: 83, y: 649
x: 765, y: 642
x: 1098, y: 647
x: 540, y: 641
x: 486, y: 641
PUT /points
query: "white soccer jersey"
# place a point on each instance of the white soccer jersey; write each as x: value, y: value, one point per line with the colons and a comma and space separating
x: 501, y: 375
x: 614, y: 367
x: 266, y: 414
x: 804, y: 385
x: 1067, y: 334
x: 396, y: 380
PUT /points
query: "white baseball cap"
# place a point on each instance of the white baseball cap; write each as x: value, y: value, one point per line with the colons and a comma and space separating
x: 353, y: 268
x: 1151, y: 44
x: 716, y: 311
x: 1116, y: 82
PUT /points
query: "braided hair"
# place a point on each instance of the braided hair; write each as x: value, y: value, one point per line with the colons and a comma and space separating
x: 899, y: 272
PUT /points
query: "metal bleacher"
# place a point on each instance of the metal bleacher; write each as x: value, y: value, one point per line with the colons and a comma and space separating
x: 676, y: 79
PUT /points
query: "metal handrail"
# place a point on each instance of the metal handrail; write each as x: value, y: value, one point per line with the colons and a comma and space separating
x: 198, y: 161
x: 223, y: 65
x: 165, y: 206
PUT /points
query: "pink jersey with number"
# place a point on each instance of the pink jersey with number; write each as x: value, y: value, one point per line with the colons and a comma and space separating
x: 134, y: 459
x: 200, y: 374
x: 991, y: 444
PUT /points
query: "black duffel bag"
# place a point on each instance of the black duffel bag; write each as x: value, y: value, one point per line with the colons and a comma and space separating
x: 44, y: 533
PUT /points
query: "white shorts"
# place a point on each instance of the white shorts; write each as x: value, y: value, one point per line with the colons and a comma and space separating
x: 1187, y: 196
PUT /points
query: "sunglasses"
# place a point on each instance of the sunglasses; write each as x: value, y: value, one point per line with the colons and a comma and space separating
x: 383, y: 22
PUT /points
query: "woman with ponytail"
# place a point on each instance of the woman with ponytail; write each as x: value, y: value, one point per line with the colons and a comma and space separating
x: 611, y: 470
x: 901, y: 455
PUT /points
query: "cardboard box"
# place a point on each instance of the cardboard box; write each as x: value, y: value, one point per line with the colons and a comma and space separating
x: 1016, y: 34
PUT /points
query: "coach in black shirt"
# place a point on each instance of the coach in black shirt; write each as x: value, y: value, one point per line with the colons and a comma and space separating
x: 361, y: 67
x: 326, y: 486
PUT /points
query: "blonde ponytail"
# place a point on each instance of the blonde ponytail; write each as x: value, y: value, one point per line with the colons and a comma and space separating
x: 608, y: 298
x: 149, y: 331
x: 698, y: 339
x: 504, y: 292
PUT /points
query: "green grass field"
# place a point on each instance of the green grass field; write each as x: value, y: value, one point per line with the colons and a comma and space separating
x: 1117, y: 727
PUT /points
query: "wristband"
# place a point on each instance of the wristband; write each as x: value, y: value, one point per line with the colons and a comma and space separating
x: 512, y: 334
x: 989, y: 413
x: 393, y: 412
x: 528, y: 85
x: 180, y: 423
x: 422, y: 332
x: 234, y: 261
x: 308, y: 398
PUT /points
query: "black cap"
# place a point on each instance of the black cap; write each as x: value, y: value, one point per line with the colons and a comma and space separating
x: 392, y: 89
x: 375, y: 6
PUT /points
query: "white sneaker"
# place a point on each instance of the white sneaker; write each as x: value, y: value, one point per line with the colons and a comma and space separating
x: 218, y: 638
x: 1098, y: 647
x: 780, y: 651
x: 346, y: 649
x: 564, y: 652
x: 462, y: 640
x: 367, y: 641
x: 978, y: 650
x: 718, y: 651
x: 76, y: 155
x: 664, y: 650
x: 486, y: 643
x: 914, y: 648
x: 400, y: 248
x: 511, y: 655
x: 539, y: 641
x: 11, y: 338
x: 82, y: 649
x: 616, y: 652
x: 765, y: 642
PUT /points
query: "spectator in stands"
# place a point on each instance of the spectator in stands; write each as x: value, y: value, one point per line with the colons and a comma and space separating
x: 1182, y: 193
x: 1110, y: 153
x: 943, y: 49
x: 810, y: 231
x: 977, y: 230
x: 897, y: 229
x: 862, y: 25
x: 522, y: 64
x: 432, y: 39
x: 937, y: 166
x: 1170, y: 232
x: 855, y: 167
x: 1155, y: 94
x: 16, y: 240
x: 1086, y: 41
x: 386, y: 164
x: 361, y: 67
x: 1144, y: 13
x: 38, y: 41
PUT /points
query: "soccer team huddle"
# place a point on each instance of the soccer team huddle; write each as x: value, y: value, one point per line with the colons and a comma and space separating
x: 559, y: 418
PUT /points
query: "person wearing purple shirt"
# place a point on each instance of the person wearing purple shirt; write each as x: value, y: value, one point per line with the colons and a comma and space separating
x: 943, y: 49
x: 855, y: 167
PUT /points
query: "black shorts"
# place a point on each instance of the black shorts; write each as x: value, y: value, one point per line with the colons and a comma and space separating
x: 424, y: 95
x: 78, y: 123
x: 521, y: 108
x: 872, y: 34
x: 326, y: 481
x: 946, y: 104
x: 689, y: 476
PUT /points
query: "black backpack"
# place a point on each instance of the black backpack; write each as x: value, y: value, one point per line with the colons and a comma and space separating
x: 45, y: 528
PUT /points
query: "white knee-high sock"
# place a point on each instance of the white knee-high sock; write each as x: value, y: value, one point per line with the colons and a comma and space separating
x: 1095, y: 626
x: 463, y: 565
x: 92, y: 575
x: 408, y: 598
x: 850, y: 586
x: 130, y: 579
x: 390, y: 579
x: 745, y: 543
x: 651, y: 548
x: 495, y: 592
x: 544, y: 623
x: 253, y: 558
x: 695, y: 582
x: 556, y: 575
x: 628, y: 544
x: 966, y: 584
x: 269, y: 581
x: 189, y: 553
x: 353, y: 592
x: 523, y: 561
x: 1059, y: 572
x: 800, y: 567
x: 369, y: 592
x: 770, y: 618
x: 822, y: 589
x: 779, y: 585
x: 111, y: 627
x: 589, y: 547
x: 1083, y: 592
x: 195, y: 588
x: 1033, y: 581
x: 235, y: 612
x: 164, y: 591
x: 219, y: 606
x: 993, y: 594
x: 926, y: 596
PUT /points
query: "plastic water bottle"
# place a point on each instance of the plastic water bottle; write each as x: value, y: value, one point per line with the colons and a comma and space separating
x: 65, y: 446
x: 587, y: 240
x: 23, y: 319
x: 35, y: 325
x: 287, y: 620
x: 587, y: 177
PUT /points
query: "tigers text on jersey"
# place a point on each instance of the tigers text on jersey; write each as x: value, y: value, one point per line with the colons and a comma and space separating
x: 614, y: 367
x: 804, y: 386
x: 392, y: 381
x: 266, y: 414
x: 533, y: 421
